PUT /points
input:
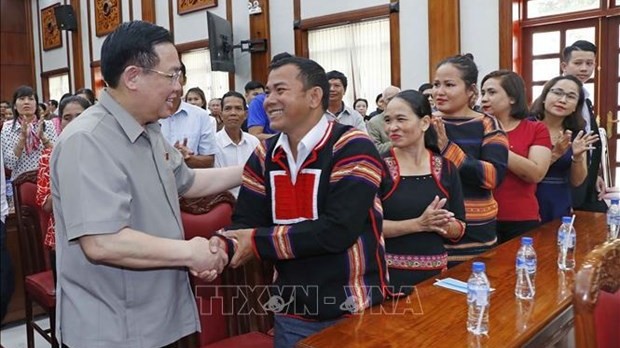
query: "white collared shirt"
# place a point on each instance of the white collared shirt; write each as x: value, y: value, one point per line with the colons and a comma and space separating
x: 230, y: 154
x: 194, y: 124
x: 304, y: 148
x: 585, y: 112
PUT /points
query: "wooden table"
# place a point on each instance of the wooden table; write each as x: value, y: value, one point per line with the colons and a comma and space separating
x: 433, y: 316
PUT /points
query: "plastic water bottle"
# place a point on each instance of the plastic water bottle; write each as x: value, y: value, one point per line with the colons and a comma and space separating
x: 613, y: 219
x: 567, y: 238
x: 526, y: 270
x: 478, y: 290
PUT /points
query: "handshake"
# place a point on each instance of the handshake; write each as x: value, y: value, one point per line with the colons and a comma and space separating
x: 210, y: 256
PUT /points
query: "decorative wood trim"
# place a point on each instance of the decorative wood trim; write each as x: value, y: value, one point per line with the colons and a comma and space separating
x: 395, y: 45
x: 297, y: 10
x: 187, y: 6
x: 562, y: 18
x: 40, y: 41
x: 90, y: 32
x: 505, y: 34
x: 45, y: 84
x: 259, y: 29
x: 108, y: 16
x: 50, y: 33
x: 78, y: 54
x: 55, y: 72
x: 95, y: 64
x: 148, y: 11
x: 30, y: 38
x: 443, y: 31
x: 130, y: 10
x: 170, y: 18
x: 229, y: 18
x: 193, y: 45
x: 345, y: 17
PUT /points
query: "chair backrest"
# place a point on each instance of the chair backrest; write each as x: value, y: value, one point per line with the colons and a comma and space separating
x: 203, y: 217
x: 596, y: 300
x: 31, y: 223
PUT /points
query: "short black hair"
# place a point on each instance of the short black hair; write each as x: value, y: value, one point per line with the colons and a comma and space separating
x: 281, y: 55
x: 253, y: 85
x: 54, y: 102
x: 335, y: 74
x: 579, y: 45
x: 311, y: 74
x: 234, y: 94
x: 85, y: 104
x: 379, y: 96
x: 360, y: 100
x: 43, y: 105
x: 90, y: 95
x: 131, y: 43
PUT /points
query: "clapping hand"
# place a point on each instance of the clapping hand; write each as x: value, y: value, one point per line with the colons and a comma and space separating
x: 182, y: 147
x: 435, y: 218
x: 206, y: 262
x: 562, y: 145
x: 583, y: 142
x: 440, y: 129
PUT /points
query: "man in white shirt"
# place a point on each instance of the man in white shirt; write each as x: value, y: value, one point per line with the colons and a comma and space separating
x: 234, y: 146
x: 337, y: 110
x: 191, y: 131
x: 6, y: 270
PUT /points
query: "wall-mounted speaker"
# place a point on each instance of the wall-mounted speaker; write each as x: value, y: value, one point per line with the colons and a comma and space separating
x: 65, y: 18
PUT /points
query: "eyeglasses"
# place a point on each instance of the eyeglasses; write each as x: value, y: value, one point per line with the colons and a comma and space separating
x: 174, y: 78
x: 560, y: 93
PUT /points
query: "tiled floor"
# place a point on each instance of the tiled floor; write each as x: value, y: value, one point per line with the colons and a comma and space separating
x: 15, y: 336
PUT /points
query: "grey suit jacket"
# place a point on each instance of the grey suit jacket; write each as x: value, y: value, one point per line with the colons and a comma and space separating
x: 376, y: 130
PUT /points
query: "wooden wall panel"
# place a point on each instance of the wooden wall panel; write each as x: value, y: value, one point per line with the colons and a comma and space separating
x: 76, y: 42
x: 16, y: 55
x: 443, y: 31
x: 395, y: 43
x: 148, y: 11
x: 259, y: 29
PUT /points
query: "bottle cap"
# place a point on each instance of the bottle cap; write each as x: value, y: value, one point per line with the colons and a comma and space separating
x: 566, y: 219
x: 615, y: 201
x: 477, y: 266
x: 527, y: 241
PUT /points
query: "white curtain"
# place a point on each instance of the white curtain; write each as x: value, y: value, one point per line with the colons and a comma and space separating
x: 361, y: 51
x: 199, y: 74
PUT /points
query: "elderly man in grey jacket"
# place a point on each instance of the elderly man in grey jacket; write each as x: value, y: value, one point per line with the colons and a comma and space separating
x: 376, y: 125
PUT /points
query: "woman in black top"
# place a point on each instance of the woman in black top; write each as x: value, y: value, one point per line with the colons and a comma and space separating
x: 423, y: 202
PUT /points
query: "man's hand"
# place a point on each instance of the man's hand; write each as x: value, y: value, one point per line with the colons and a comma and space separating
x: 204, y: 263
x: 183, y: 149
x: 244, y: 252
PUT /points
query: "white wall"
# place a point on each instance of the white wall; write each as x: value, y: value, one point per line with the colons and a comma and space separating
x: 414, y: 49
x: 316, y: 8
x: 85, y: 51
x: 56, y: 58
x: 480, y: 33
x: 281, y: 25
x: 192, y: 26
x: 36, y: 50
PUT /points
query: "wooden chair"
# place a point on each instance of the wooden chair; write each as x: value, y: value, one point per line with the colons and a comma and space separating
x: 596, y: 300
x: 203, y: 217
x: 39, y: 286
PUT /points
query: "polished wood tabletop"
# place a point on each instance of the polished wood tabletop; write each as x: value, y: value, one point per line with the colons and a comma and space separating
x: 434, y: 316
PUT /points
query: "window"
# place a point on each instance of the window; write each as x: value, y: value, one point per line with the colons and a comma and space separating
x: 546, y: 50
x: 540, y: 8
x: 58, y: 85
x: 199, y: 74
x: 361, y: 51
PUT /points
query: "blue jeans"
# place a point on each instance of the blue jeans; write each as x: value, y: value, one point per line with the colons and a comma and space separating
x: 7, y: 281
x: 289, y: 330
